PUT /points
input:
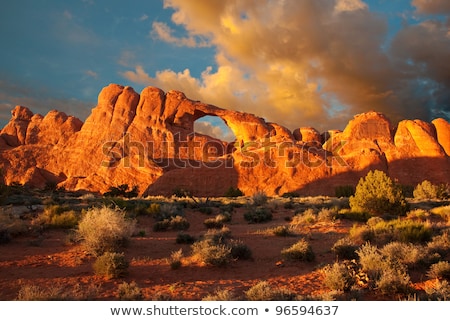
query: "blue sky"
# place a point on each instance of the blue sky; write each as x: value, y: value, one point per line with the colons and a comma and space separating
x: 294, y: 62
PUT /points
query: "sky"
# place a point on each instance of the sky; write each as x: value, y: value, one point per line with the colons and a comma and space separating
x: 298, y: 63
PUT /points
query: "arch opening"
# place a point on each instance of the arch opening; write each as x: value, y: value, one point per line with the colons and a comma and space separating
x: 214, y: 127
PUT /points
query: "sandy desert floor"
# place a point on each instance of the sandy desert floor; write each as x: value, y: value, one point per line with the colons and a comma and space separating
x: 51, y: 262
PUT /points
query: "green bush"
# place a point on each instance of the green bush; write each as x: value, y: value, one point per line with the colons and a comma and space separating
x: 403, y: 231
x: 377, y: 194
x: 425, y: 191
x: 258, y: 215
x: 344, y: 191
x: 122, y: 190
x: 233, y: 192
x: 56, y: 216
x: 104, y: 229
x: 300, y: 251
x: 111, y: 265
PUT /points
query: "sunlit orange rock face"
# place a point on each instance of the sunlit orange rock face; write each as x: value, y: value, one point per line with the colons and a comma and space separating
x: 148, y: 140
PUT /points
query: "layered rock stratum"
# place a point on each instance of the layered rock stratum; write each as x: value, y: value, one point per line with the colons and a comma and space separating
x: 148, y: 140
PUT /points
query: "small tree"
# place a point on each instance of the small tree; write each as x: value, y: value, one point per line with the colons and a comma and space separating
x: 377, y: 194
x: 426, y: 190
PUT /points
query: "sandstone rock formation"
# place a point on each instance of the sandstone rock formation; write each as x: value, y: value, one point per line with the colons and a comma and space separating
x: 148, y: 140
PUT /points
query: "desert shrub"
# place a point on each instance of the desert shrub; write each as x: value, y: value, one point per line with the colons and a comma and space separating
x: 300, y: 251
x: 38, y: 293
x: 161, y: 226
x: 418, y: 214
x: 56, y: 216
x: 393, y: 280
x: 371, y: 260
x: 154, y: 209
x: 104, y: 229
x: 439, y: 270
x: 58, y: 292
x: 388, y: 276
x: 175, y: 259
x: 373, y: 221
x: 262, y: 291
x: 129, y: 292
x: 233, y: 192
x: 377, y: 194
x: 111, y: 265
x: 382, y: 232
x: 239, y: 250
x: 442, y: 211
x: 438, y: 291
x: 220, y: 295
x: 258, y: 215
x: 425, y: 191
x: 259, y: 198
x: 308, y: 217
x: 361, y: 233
x: 403, y: 231
x: 353, y: 215
x: 184, y: 238
x: 338, y: 277
x: 122, y: 190
x: 440, y: 243
x: 168, y: 210
x: 327, y: 214
x: 212, y: 253
x: 281, y: 230
x: 443, y: 191
x: 404, y: 253
x: 345, y: 249
x: 344, y: 191
x: 218, y: 221
x: 218, y: 236
x: 177, y: 223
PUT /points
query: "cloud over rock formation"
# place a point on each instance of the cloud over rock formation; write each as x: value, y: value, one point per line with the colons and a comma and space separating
x: 148, y: 140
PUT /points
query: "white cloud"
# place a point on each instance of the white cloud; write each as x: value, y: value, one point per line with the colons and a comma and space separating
x: 91, y: 73
x: 293, y: 62
x: 349, y: 5
x: 163, y: 32
x: 432, y: 6
x: 206, y: 128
